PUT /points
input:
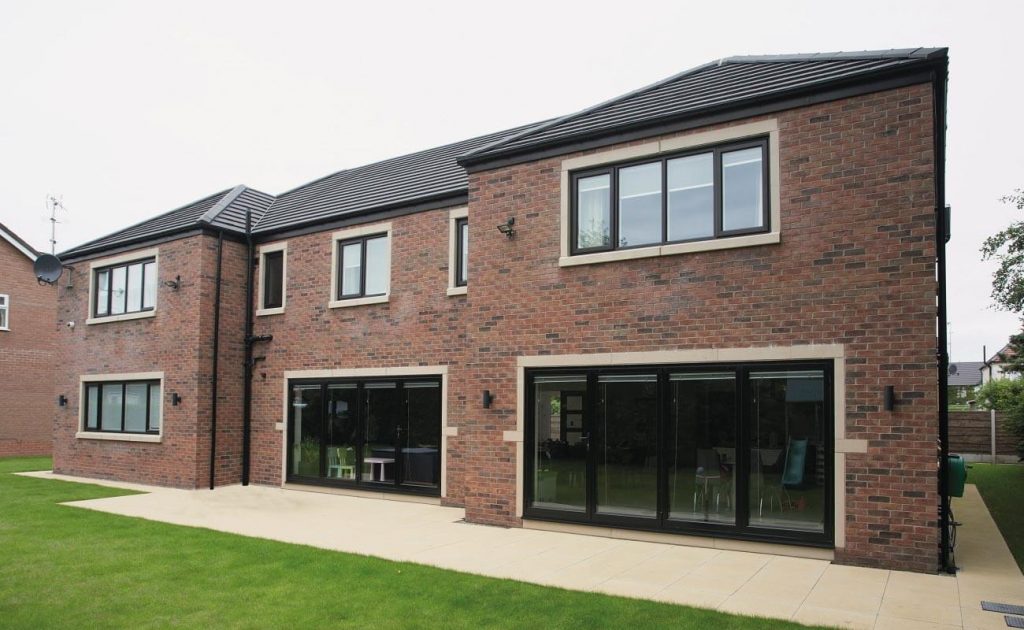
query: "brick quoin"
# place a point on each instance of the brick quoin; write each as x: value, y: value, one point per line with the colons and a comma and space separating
x: 27, y: 400
x: 855, y: 266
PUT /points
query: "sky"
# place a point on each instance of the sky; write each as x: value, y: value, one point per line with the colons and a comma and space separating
x: 125, y: 110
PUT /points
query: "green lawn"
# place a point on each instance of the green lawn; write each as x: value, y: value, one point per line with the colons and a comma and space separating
x: 1002, y: 486
x: 62, y: 566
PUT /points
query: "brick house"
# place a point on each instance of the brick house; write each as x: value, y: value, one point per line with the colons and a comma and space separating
x: 676, y: 321
x: 26, y: 351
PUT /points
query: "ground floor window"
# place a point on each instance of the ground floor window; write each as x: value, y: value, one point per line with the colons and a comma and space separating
x: 739, y: 450
x: 384, y: 433
x: 123, y: 407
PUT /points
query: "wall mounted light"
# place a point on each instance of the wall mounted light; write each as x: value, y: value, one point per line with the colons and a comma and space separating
x: 507, y: 228
x: 62, y: 400
x: 488, y: 399
x: 175, y: 399
x: 890, y: 397
x: 173, y: 284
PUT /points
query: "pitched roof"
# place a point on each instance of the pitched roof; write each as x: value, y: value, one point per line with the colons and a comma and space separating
x: 1007, y: 352
x: 965, y: 372
x: 410, y: 179
x: 18, y: 243
x: 728, y: 83
x: 223, y: 210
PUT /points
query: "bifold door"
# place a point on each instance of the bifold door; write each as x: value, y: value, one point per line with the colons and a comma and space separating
x: 383, y: 433
x: 726, y: 450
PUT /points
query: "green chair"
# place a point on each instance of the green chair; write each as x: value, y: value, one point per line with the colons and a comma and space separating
x: 341, y: 463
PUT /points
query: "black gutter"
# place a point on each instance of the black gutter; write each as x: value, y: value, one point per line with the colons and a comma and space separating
x: 939, y: 81
x: 247, y: 368
x: 216, y: 359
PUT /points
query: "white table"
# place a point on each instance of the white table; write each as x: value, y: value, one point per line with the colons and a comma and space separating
x: 374, y: 462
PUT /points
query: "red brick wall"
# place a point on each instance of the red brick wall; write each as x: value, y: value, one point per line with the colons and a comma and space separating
x: 175, y: 342
x: 855, y: 267
x: 419, y: 325
x: 27, y: 398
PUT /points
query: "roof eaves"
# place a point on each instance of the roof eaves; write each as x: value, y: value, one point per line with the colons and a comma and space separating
x: 18, y: 243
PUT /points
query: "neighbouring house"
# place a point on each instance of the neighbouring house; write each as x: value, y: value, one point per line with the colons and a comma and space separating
x: 993, y: 367
x: 669, y: 315
x: 27, y: 321
x: 964, y: 380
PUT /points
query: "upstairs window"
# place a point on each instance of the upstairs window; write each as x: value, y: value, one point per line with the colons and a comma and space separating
x: 125, y: 288
x: 5, y: 306
x: 462, y: 252
x: 364, y: 267
x: 703, y: 194
x: 272, y: 279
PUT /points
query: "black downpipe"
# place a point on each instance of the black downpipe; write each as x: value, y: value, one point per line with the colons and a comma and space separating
x: 939, y: 80
x: 247, y: 386
x: 216, y: 359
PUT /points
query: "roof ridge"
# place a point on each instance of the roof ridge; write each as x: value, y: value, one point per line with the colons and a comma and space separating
x: 840, y: 55
x: 211, y: 215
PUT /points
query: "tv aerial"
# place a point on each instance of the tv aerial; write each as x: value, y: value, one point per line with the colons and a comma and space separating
x: 47, y: 267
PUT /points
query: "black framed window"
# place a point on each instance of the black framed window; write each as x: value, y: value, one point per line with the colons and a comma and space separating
x: 122, y: 406
x: 273, y: 279
x: 461, y: 252
x: 740, y: 450
x: 364, y: 267
x: 126, y: 288
x: 707, y: 193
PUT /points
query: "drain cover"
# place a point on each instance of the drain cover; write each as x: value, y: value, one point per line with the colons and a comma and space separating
x: 1009, y: 609
x: 1014, y: 622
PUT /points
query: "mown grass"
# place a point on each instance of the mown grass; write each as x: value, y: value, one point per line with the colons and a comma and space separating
x: 62, y: 566
x: 1002, y: 488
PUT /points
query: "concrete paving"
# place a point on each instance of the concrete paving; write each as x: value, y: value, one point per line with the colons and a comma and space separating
x: 803, y: 590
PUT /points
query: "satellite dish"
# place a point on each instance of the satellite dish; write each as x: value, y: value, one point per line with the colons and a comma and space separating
x: 952, y: 369
x: 48, y: 268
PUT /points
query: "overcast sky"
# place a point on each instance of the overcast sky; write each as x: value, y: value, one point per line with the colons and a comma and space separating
x: 129, y: 109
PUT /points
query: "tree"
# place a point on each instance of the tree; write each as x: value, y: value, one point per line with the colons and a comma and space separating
x: 1007, y: 247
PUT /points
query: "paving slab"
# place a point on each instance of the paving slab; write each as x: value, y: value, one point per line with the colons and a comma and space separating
x: 777, y: 586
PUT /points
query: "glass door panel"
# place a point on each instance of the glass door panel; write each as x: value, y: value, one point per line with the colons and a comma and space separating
x: 559, y: 444
x: 419, y: 437
x: 306, y: 431
x: 384, y: 408
x: 342, y: 427
x: 626, y: 445
x: 787, y: 449
x: 701, y: 449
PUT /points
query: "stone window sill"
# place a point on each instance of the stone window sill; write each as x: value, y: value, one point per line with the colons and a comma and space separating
x: 118, y: 437
x: 120, y: 318
x: 734, y: 242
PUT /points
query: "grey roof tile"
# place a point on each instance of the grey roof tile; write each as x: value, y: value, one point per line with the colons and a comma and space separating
x: 225, y: 210
x: 405, y: 180
x: 725, y: 83
x: 965, y: 373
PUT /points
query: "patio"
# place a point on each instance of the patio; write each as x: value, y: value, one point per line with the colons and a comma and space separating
x: 803, y: 590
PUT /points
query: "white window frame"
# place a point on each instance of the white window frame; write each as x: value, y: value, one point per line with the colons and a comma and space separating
x: 263, y: 251
x: 6, y: 308
x: 87, y: 379
x: 657, y: 148
x: 141, y: 254
x: 344, y: 235
x: 453, y: 250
